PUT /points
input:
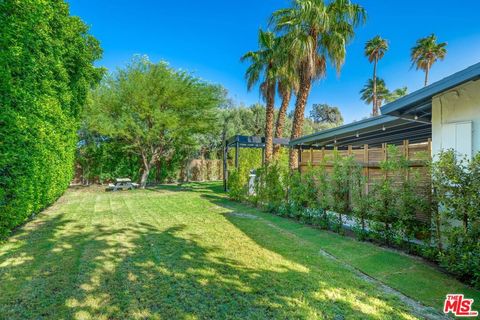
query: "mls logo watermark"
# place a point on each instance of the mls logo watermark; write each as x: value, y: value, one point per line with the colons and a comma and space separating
x: 459, y: 306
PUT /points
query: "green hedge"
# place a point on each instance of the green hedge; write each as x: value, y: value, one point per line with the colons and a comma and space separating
x: 46, y: 71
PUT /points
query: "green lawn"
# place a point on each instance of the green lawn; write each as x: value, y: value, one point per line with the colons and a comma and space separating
x: 175, y: 253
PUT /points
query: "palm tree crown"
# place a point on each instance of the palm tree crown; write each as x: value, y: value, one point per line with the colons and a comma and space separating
x: 375, y: 48
x: 261, y: 61
x: 426, y: 52
x: 367, y: 93
x: 316, y: 32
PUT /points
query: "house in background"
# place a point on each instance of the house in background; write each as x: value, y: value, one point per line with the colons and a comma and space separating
x: 452, y: 105
x: 443, y: 115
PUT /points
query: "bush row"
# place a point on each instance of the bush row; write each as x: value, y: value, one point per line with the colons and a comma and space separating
x: 45, y: 73
x: 389, y: 212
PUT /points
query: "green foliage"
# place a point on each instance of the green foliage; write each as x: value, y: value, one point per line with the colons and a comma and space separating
x: 410, y: 203
x: 462, y: 256
x: 248, y: 160
x: 269, y: 187
x: 456, y: 183
x: 46, y: 71
x: 341, y: 184
x: 236, y: 186
x: 327, y: 115
x: 361, y: 203
x: 385, y: 195
x: 153, y: 110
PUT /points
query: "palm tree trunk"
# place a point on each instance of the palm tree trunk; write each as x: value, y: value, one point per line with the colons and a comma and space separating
x: 427, y: 70
x: 270, y: 117
x: 298, y: 118
x: 375, y: 105
x: 281, y: 119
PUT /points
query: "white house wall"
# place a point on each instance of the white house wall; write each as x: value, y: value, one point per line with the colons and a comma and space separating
x: 456, y: 119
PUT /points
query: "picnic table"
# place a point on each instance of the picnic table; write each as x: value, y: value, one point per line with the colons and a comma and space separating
x: 122, y: 184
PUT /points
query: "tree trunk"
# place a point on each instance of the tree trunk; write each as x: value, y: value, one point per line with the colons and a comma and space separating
x: 375, y: 104
x: 144, y: 177
x: 281, y: 119
x: 426, y: 75
x: 270, y: 115
x: 147, y: 165
x: 158, y: 166
x: 298, y: 118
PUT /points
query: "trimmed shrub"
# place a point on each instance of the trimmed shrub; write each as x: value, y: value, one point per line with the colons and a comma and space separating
x: 46, y: 71
x: 361, y: 204
x: 236, y: 185
x: 270, y: 191
x: 456, y: 183
x: 341, y: 186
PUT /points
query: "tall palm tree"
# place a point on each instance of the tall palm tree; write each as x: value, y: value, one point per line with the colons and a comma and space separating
x: 426, y: 52
x: 375, y: 50
x: 287, y: 80
x: 368, y: 95
x: 317, y: 32
x: 262, y: 68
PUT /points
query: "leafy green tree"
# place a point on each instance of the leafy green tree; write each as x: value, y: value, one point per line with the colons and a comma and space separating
x: 153, y: 109
x: 325, y: 114
x: 385, y: 195
x: 360, y: 200
x: 46, y: 71
x: 375, y: 50
x: 341, y: 185
x: 426, y: 52
x: 317, y: 32
x: 262, y: 66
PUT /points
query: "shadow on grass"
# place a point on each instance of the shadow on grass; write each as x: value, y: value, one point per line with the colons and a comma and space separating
x: 63, y: 269
x: 198, y: 187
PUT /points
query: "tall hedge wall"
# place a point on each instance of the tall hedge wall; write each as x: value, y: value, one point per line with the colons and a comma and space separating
x: 46, y: 71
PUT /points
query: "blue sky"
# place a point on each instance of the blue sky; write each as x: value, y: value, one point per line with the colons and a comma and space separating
x: 208, y: 37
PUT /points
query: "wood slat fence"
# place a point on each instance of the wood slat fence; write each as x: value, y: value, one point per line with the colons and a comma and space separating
x: 370, y: 159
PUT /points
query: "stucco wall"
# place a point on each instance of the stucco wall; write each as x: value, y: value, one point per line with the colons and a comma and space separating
x: 457, y: 105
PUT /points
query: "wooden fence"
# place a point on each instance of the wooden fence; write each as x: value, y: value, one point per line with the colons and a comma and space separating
x: 370, y: 159
x: 202, y: 170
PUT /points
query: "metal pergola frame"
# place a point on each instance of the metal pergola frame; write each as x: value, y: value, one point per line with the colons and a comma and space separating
x: 240, y: 141
x: 372, y: 131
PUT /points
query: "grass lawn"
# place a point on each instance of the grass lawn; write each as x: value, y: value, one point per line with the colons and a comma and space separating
x: 173, y: 253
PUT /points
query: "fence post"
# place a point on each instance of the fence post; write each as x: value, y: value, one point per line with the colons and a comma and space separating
x: 225, y: 166
x: 311, y: 156
x: 385, y: 157
x: 366, y: 170
x: 407, y: 157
